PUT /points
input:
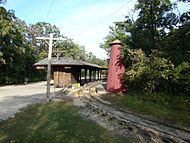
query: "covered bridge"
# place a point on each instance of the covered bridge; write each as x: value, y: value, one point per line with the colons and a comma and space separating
x: 67, y: 71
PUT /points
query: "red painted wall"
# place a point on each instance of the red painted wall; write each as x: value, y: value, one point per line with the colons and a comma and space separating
x: 115, y: 82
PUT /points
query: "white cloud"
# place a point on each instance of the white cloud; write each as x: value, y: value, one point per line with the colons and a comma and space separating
x: 89, y: 27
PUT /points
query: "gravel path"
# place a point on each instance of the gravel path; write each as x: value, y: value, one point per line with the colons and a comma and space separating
x: 14, y: 97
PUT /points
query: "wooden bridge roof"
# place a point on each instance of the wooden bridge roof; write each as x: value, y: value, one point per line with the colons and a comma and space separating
x: 65, y: 61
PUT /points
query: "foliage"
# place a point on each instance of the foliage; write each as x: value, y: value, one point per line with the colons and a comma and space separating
x: 16, y: 53
x: 65, y: 48
x: 175, y: 45
x: 185, y: 0
x: 54, y: 122
x: 70, y: 49
x: 93, y: 59
x: 151, y: 21
x: 181, y: 79
x: 156, y: 74
x: 156, y: 47
x: 41, y: 29
x: 149, y: 74
x: 118, y: 31
x: 19, y: 49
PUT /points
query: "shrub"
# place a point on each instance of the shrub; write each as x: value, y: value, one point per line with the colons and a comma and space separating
x: 155, y: 74
x: 181, y: 79
x: 150, y: 74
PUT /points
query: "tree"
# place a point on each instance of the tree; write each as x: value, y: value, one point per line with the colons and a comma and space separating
x: 38, y: 30
x: 71, y: 49
x: 19, y: 49
x: 67, y: 47
x: 163, y: 63
x: 5, y: 40
x: 93, y: 59
x: 17, y: 55
x: 185, y: 0
x: 3, y: 1
x: 184, y: 18
x: 120, y: 31
x: 176, y: 45
x: 150, y: 23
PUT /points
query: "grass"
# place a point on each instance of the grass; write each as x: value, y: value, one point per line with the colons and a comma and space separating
x: 164, y: 108
x: 54, y: 122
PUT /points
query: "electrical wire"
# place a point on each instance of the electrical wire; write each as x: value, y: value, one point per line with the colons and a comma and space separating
x: 101, y: 21
x: 49, y: 10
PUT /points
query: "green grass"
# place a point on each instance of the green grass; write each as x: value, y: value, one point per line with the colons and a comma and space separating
x: 168, y: 109
x: 54, y: 122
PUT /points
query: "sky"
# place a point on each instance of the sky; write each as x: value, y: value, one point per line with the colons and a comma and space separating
x: 85, y: 21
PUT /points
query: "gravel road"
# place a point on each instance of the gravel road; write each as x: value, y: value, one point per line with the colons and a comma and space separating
x: 14, y: 97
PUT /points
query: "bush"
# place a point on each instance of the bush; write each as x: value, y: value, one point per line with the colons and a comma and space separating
x: 155, y: 74
x: 149, y: 74
x: 181, y: 79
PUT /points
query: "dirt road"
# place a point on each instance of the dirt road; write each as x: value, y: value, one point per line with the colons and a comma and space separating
x: 14, y: 97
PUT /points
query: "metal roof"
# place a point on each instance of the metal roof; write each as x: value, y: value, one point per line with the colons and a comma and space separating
x: 65, y: 61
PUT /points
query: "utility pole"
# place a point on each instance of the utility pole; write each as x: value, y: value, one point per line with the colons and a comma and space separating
x: 57, y: 53
x: 49, y: 61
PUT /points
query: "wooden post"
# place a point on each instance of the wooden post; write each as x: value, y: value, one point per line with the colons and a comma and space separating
x: 94, y: 73
x: 85, y: 75
x: 98, y: 74
x: 80, y: 75
x: 49, y: 67
x: 90, y: 74
x: 49, y: 62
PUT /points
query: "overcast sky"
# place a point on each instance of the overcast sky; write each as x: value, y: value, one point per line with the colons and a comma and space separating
x: 85, y: 21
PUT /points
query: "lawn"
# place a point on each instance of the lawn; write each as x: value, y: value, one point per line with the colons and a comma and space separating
x: 54, y: 122
x: 173, y: 110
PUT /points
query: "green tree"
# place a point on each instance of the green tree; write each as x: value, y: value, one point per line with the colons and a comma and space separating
x: 95, y: 60
x: 17, y: 55
x: 70, y: 49
x: 67, y: 47
x: 121, y: 31
x: 150, y: 23
x: 149, y: 74
x: 176, y: 45
x: 163, y: 63
x: 42, y: 29
x: 185, y: 16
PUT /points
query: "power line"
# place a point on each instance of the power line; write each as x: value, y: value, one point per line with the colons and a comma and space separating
x: 49, y: 10
x: 101, y: 21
